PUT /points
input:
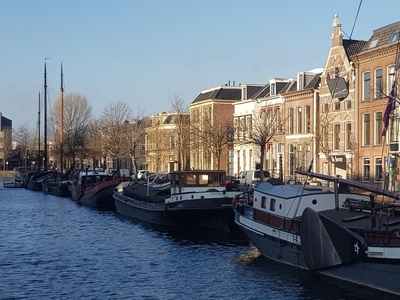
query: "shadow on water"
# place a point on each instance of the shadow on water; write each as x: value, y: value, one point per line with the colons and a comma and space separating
x: 186, y: 236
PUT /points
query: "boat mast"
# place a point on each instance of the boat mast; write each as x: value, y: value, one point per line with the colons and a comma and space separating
x: 39, y: 160
x: 45, y: 115
x: 61, y: 122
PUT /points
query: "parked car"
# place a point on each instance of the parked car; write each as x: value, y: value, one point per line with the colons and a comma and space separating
x: 251, y: 178
x: 231, y: 183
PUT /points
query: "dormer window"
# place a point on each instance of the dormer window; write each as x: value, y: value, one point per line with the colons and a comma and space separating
x: 273, y: 89
x: 373, y: 43
x: 244, y: 93
x: 300, y: 81
x: 394, y: 37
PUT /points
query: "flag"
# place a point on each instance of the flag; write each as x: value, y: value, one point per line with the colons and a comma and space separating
x: 391, y: 105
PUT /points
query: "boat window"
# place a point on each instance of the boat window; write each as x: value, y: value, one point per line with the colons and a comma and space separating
x: 272, y: 205
x: 191, y: 179
x: 215, y: 180
x: 263, y: 202
x: 203, y: 179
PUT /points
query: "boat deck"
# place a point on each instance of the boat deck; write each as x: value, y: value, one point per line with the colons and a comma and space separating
x: 143, y: 193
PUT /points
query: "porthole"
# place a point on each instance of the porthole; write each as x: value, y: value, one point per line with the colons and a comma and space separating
x: 314, y: 202
x: 280, y: 206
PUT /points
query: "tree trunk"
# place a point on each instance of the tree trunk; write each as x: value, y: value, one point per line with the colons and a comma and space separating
x: 262, y: 155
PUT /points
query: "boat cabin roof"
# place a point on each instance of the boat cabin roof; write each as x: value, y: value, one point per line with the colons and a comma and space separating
x: 92, y: 177
x: 290, y: 191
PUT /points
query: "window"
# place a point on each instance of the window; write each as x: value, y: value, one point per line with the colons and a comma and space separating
x: 366, y: 169
x: 171, y: 140
x: 325, y: 133
x: 348, y: 136
x: 366, y: 130
x: 366, y: 85
x: 249, y: 125
x: 307, y: 153
x: 348, y: 103
x: 291, y: 160
x: 325, y: 105
x: 250, y: 156
x: 290, y: 121
x: 230, y: 132
x: 373, y: 43
x: 394, y: 37
x: 300, y: 81
x: 378, y: 169
x: 336, y: 104
x: 336, y: 136
x: 378, y: 129
x: 273, y: 89
x: 272, y: 205
x: 308, y: 119
x: 390, y: 79
x: 299, y: 120
x: 278, y: 119
x: 263, y: 202
x: 378, y: 83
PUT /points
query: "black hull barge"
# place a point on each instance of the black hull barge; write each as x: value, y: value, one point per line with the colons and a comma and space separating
x: 196, y: 199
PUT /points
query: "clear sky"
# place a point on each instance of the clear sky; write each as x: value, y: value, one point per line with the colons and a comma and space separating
x: 144, y: 52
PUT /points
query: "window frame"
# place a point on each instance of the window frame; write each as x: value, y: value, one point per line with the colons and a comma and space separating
x: 366, y: 130
x: 366, y: 92
x: 378, y: 88
x: 366, y: 175
x: 378, y: 127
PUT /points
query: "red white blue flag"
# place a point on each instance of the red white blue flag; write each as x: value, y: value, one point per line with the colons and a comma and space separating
x: 391, y: 105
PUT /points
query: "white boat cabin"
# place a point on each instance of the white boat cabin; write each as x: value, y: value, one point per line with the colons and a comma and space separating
x: 289, y: 201
x: 210, y: 183
x: 89, y: 178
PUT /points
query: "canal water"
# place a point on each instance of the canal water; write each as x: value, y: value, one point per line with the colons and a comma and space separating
x: 53, y: 248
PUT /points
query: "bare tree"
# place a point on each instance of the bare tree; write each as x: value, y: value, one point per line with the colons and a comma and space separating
x: 77, y: 118
x: 7, y: 146
x: 94, y: 145
x: 182, y: 130
x: 133, y: 142
x: 324, y: 132
x: 262, y: 128
x: 26, y: 141
x: 114, y: 118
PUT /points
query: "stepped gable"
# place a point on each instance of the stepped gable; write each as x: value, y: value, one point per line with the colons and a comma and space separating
x: 225, y: 93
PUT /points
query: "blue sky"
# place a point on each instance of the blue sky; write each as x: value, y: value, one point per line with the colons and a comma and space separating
x: 145, y: 52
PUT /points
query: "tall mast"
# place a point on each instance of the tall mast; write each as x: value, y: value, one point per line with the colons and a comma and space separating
x: 39, y: 160
x: 45, y: 115
x: 61, y: 122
